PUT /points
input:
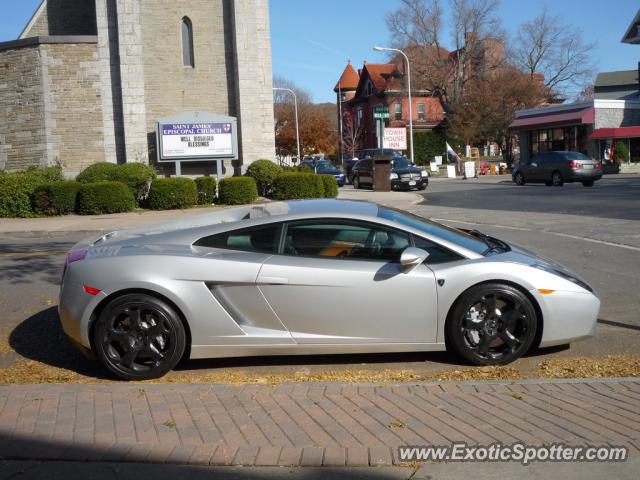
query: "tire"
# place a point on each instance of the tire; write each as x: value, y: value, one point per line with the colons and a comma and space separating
x: 548, y: 184
x: 356, y: 183
x: 556, y: 179
x: 588, y: 183
x: 519, y: 179
x: 483, y: 337
x: 139, y: 337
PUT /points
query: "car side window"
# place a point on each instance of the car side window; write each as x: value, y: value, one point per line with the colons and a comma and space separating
x: 261, y: 239
x: 437, y: 253
x: 345, y: 240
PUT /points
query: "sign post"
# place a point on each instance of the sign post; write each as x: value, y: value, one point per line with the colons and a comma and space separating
x: 197, y: 137
x: 380, y: 112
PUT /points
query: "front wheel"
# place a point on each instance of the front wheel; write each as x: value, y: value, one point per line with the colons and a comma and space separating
x: 588, y: 183
x: 139, y: 337
x: 492, y: 324
x: 356, y: 183
x: 519, y: 179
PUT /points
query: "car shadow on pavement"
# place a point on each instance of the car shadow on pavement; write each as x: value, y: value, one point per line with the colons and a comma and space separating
x: 40, y: 338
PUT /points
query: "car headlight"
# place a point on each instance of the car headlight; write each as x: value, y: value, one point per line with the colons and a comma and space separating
x: 566, y: 276
x: 393, y: 176
x: 424, y: 173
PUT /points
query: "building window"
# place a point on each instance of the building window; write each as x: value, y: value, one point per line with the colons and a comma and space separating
x: 369, y: 89
x: 422, y: 112
x: 360, y: 117
x: 187, y: 43
x: 398, y: 111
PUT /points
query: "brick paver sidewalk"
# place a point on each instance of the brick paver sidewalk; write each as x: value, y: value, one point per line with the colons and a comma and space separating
x: 306, y: 424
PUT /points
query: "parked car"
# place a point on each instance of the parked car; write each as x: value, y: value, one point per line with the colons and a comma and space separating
x: 404, y: 175
x: 557, y: 168
x: 327, y: 168
x: 372, y: 152
x: 266, y: 280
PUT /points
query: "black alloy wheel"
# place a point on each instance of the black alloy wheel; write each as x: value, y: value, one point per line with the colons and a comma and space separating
x: 492, y: 324
x: 139, y: 337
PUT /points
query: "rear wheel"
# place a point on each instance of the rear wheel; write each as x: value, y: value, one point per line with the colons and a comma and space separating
x: 356, y: 182
x: 492, y: 324
x: 548, y: 184
x: 138, y: 337
x: 556, y: 179
x: 519, y: 179
x: 588, y: 183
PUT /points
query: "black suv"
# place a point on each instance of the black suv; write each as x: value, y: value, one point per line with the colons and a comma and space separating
x: 556, y: 168
x: 404, y: 175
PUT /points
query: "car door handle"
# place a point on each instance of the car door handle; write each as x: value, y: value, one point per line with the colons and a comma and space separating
x: 273, y: 280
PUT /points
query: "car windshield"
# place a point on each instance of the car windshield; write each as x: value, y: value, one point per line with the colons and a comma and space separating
x: 449, y: 234
x: 401, y: 162
x: 324, y: 165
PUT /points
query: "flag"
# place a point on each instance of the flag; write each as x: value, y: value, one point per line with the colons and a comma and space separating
x: 453, y: 154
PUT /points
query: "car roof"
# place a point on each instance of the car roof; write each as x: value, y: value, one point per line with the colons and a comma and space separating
x: 315, y: 207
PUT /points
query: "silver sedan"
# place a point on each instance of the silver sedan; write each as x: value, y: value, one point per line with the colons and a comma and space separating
x: 313, y: 277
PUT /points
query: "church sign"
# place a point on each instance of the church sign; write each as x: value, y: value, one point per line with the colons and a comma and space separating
x: 196, y: 140
x: 197, y: 136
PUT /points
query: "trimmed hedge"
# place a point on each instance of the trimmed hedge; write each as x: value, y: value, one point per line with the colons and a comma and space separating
x: 295, y: 185
x: 98, y: 172
x: 330, y: 185
x: 137, y: 176
x: 264, y: 172
x: 16, y: 189
x: 105, y: 197
x: 172, y: 193
x: 237, y: 190
x: 206, y: 190
x: 57, y: 198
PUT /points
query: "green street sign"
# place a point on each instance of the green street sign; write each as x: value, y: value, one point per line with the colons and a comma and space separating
x: 381, y: 115
x: 381, y: 111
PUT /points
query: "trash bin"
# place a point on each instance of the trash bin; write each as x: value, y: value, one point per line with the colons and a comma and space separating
x: 382, y: 173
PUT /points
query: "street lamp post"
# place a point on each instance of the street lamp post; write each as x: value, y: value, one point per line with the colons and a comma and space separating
x: 381, y: 49
x: 295, y: 102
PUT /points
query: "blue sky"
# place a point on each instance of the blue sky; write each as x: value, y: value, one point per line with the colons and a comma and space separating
x: 312, y: 40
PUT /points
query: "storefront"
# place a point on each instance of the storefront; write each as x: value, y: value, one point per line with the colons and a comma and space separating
x: 588, y: 127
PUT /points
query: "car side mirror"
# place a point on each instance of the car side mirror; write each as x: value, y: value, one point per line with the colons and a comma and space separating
x: 412, y: 257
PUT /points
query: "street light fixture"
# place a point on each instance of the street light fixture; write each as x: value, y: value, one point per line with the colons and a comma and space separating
x: 382, y: 49
x: 295, y: 101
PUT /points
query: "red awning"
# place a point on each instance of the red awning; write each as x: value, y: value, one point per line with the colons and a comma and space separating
x: 620, y: 132
x: 556, y: 119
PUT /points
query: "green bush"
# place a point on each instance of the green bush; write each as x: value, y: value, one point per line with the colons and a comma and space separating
x: 137, y: 176
x: 172, y: 193
x: 105, y: 197
x: 57, y: 198
x: 98, y: 172
x: 237, y: 190
x: 206, y: 190
x: 620, y: 152
x: 264, y: 172
x: 427, y: 145
x: 294, y: 185
x: 17, y: 189
x: 330, y: 186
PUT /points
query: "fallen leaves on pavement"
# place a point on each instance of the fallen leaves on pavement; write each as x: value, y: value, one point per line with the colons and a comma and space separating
x: 587, y: 367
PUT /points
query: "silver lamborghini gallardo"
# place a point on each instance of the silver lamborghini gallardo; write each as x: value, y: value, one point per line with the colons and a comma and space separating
x: 311, y: 277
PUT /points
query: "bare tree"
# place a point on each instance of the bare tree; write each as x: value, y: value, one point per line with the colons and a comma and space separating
x: 351, y: 135
x: 417, y: 26
x: 548, y: 46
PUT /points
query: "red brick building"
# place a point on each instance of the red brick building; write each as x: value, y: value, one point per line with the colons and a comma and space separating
x: 383, y: 84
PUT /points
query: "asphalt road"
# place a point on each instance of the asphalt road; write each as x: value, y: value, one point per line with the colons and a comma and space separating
x: 577, y: 226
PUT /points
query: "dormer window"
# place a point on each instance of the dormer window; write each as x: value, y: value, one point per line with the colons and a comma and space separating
x: 368, y: 90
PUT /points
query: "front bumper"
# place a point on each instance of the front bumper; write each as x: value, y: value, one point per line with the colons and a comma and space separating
x: 398, y: 184
x: 567, y: 316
